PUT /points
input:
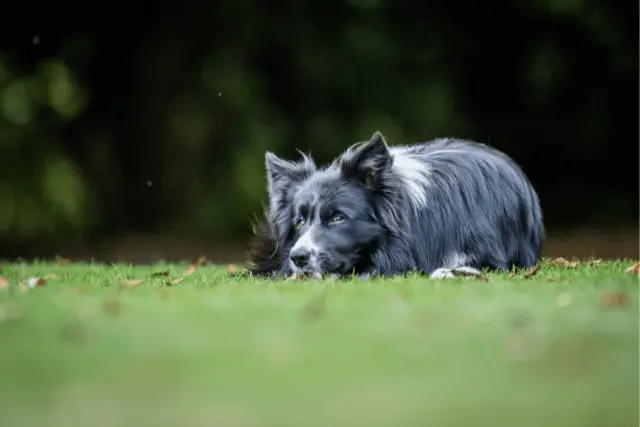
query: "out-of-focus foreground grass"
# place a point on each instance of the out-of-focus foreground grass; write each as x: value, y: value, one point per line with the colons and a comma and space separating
x: 91, y: 345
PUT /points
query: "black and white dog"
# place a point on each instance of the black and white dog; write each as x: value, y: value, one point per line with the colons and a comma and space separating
x: 439, y: 207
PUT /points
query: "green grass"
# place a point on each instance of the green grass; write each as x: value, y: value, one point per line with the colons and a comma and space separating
x: 556, y: 349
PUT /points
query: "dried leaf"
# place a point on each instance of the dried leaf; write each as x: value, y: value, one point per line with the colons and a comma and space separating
x: 190, y: 270
x: 132, y: 282
x: 32, y: 282
x: 74, y: 331
x: 160, y: 274
x: 532, y: 272
x: 562, y: 262
x: 512, y: 275
x: 175, y: 281
x: 594, y: 263
x: 63, y: 261
x: 112, y: 306
x: 464, y: 272
x: 615, y: 299
x: 201, y: 261
x: 232, y: 269
x: 316, y: 308
x: 634, y: 269
x: 4, y: 283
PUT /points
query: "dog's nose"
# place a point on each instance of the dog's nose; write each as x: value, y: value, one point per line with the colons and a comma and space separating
x: 300, y: 258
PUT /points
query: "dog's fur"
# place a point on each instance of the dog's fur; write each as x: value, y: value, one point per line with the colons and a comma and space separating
x: 435, y: 207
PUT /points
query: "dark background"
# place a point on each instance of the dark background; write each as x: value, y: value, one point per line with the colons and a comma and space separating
x: 137, y: 131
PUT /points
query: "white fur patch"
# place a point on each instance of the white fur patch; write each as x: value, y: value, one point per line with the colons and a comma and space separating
x: 462, y: 271
x: 306, y: 243
x: 415, y: 175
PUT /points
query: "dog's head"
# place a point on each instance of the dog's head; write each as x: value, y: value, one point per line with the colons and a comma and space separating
x: 328, y: 219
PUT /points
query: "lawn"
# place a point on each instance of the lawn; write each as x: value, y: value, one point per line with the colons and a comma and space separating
x: 92, y: 345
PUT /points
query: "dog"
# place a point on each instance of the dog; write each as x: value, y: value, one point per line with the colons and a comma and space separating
x: 437, y: 208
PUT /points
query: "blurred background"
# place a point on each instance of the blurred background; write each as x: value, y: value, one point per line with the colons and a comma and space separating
x: 138, y: 133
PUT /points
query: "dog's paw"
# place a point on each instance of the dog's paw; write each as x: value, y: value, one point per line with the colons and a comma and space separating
x: 463, y: 271
x: 442, y: 273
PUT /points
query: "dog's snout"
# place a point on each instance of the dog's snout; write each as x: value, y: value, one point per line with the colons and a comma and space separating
x: 300, y: 257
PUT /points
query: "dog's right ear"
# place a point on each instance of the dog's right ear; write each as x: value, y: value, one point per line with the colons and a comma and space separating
x: 282, y: 175
x: 366, y: 161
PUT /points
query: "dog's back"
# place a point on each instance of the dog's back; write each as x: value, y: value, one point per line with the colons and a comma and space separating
x: 467, y: 204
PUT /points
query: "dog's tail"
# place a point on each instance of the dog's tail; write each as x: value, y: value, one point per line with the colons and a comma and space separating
x: 265, y: 257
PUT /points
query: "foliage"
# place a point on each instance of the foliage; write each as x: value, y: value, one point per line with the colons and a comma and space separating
x: 168, y: 130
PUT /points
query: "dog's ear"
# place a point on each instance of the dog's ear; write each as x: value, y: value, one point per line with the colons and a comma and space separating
x: 367, y: 160
x: 282, y: 175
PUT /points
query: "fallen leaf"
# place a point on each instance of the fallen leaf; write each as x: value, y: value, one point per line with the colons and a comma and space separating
x: 316, y: 308
x: 232, y: 269
x: 562, y: 262
x: 615, y: 299
x: 594, y: 263
x: 512, y: 275
x: 160, y: 274
x: 190, y: 270
x: 201, y: 261
x: 634, y: 269
x: 74, y: 331
x: 175, y: 281
x: 4, y: 283
x: 112, y: 306
x: 63, y: 261
x: 532, y: 272
x: 460, y: 272
x: 131, y: 283
x: 32, y: 282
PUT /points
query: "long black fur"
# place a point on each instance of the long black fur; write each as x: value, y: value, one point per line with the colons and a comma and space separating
x: 444, y: 204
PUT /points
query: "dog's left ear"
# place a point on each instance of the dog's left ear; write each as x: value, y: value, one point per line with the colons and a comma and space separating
x: 366, y: 161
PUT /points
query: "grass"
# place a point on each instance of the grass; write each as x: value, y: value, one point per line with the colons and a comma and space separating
x: 559, y: 348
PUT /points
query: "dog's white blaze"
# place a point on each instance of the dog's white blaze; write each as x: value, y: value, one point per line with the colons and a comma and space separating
x: 415, y: 175
x: 306, y: 243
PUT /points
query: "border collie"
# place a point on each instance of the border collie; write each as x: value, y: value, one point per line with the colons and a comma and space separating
x: 437, y: 208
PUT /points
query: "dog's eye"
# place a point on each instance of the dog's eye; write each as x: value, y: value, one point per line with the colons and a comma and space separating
x: 299, y: 224
x: 337, y: 219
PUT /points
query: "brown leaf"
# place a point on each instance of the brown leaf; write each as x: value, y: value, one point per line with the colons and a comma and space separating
x: 112, y: 306
x: 468, y: 273
x: 175, y: 281
x: 634, y: 269
x: 615, y: 299
x: 532, y: 272
x: 594, y: 263
x: 562, y: 262
x: 160, y: 274
x: 4, y: 283
x: 32, y: 282
x: 232, y: 269
x: 74, y: 331
x: 512, y: 275
x: 63, y: 261
x: 316, y: 308
x: 132, y: 282
x: 190, y: 270
x: 201, y: 261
